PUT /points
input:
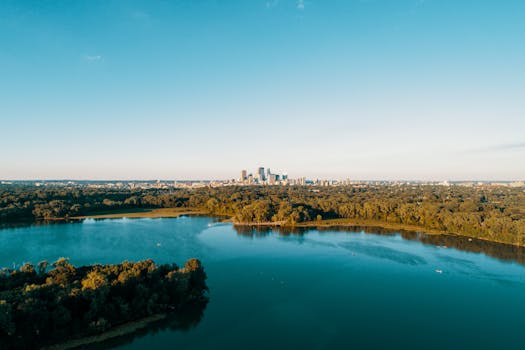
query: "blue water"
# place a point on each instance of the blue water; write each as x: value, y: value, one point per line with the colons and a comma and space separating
x: 317, y: 290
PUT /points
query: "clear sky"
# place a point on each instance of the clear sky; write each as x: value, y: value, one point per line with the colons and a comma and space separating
x: 361, y: 89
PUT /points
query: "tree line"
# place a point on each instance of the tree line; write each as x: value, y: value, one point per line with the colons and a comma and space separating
x: 41, y: 306
x: 492, y: 213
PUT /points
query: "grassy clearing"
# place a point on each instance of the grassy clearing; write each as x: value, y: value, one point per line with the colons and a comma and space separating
x: 143, y: 213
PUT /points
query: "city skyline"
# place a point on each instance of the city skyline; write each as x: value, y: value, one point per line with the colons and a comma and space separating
x: 369, y: 90
x: 263, y: 174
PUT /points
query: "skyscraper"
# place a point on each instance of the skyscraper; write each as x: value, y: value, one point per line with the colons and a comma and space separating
x: 262, y: 177
x: 243, y: 175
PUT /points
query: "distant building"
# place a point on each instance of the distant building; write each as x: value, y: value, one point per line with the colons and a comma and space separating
x: 260, y: 172
x: 264, y: 176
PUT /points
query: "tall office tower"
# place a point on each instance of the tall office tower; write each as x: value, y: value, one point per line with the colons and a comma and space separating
x: 268, y: 173
x: 261, y: 174
x: 243, y: 175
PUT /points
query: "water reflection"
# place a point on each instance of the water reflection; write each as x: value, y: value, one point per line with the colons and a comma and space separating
x: 383, y: 253
x: 29, y: 223
x: 184, y: 320
x: 263, y: 231
x: 497, y: 250
x: 253, y: 231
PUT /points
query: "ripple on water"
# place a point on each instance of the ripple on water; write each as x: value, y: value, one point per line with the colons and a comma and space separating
x: 382, y: 252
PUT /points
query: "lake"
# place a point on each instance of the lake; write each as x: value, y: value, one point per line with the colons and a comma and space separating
x: 328, y: 289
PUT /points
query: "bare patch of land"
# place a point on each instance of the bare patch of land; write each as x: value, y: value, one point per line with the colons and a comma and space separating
x: 143, y: 213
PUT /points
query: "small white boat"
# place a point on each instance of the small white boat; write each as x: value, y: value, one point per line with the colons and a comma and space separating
x: 158, y: 244
x: 439, y: 271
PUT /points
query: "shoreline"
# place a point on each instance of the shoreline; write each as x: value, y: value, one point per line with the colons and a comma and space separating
x: 340, y: 222
x: 113, y: 332
x: 372, y: 223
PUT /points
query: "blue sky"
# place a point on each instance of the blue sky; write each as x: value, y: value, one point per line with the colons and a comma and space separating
x: 362, y: 89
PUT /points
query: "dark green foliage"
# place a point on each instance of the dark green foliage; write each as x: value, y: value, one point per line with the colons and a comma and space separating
x: 494, y: 212
x: 68, y: 302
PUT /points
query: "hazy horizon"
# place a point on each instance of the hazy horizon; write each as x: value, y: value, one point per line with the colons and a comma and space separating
x: 413, y: 89
x: 131, y: 179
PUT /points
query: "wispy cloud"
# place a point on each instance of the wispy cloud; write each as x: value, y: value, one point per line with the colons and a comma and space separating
x: 518, y: 145
x: 501, y: 147
x: 300, y: 5
x: 93, y: 58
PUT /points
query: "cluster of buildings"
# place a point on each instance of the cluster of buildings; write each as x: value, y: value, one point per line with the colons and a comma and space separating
x: 262, y: 177
x: 515, y: 184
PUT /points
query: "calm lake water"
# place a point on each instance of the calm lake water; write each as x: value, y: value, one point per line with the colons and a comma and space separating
x: 315, y: 290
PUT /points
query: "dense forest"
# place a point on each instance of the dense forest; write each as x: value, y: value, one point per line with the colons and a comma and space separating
x: 41, y: 306
x: 494, y: 213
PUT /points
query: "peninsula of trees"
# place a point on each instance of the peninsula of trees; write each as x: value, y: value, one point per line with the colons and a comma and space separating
x: 490, y: 213
x: 40, y: 307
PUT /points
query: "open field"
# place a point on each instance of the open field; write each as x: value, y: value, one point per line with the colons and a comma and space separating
x: 143, y: 213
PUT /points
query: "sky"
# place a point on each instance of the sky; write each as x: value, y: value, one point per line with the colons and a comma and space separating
x: 359, y: 89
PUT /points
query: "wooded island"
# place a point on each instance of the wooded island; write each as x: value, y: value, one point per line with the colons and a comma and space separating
x: 41, y: 307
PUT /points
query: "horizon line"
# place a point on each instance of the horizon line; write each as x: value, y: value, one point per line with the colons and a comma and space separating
x: 229, y: 179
